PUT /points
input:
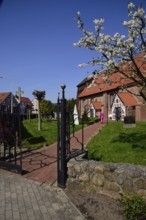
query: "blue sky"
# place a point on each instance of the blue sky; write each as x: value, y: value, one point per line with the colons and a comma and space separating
x: 36, y: 42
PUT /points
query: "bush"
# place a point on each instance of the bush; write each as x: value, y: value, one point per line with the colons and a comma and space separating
x: 134, y: 207
x: 93, y: 120
x: 85, y: 118
x: 88, y: 120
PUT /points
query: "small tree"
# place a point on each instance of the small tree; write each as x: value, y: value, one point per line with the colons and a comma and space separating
x: 46, y: 107
x: 28, y: 109
x: 117, y: 53
x: 71, y: 102
x: 39, y: 95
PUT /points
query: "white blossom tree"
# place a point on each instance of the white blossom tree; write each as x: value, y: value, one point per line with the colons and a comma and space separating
x: 117, y: 53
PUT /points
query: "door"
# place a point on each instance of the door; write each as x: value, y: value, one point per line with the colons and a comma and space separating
x: 91, y: 113
x: 118, y: 113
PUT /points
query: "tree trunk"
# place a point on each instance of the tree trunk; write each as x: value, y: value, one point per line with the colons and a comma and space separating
x: 39, y: 117
x: 29, y: 116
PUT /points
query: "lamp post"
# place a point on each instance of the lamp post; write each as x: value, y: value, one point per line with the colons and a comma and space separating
x: 1, y: 77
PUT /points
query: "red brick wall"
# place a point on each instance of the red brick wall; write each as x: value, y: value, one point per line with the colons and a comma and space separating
x: 137, y: 113
x: 143, y: 113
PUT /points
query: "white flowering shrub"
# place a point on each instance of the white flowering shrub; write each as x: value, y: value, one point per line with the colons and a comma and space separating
x: 117, y: 52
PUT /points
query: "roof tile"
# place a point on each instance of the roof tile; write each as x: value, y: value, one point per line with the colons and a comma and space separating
x: 127, y: 99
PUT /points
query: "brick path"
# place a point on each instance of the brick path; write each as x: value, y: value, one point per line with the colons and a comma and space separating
x: 41, y: 165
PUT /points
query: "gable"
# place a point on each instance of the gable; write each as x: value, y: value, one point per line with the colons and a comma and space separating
x: 7, y: 101
x: 127, y: 99
x: 4, y: 96
x: 124, y: 98
x: 25, y: 100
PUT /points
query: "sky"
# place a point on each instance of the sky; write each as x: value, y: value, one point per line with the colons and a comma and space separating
x: 36, y: 42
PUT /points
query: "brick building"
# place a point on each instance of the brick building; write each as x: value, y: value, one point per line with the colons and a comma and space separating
x: 115, y: 97
x: 7, y: 102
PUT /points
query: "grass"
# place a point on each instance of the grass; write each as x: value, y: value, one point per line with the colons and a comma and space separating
x: 34, y: 139
x: 113, y: 144
x: 121, y: 145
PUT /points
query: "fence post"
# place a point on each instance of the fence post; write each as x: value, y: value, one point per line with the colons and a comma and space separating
x: 62, y: 164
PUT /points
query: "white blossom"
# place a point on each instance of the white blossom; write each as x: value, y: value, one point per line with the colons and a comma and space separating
x: 75, y: 44
x: 125, y: 23
x: 116, y: 35
x: 102, y: 20
x: 139, y: 12
x: 78, y: 13
x: 82, y: 65
x: 131, y: 5
x: 117, y: 48
x: 123, y: 36
x: 132, y: 45
x: 96, y: 21
x: 110, y: 62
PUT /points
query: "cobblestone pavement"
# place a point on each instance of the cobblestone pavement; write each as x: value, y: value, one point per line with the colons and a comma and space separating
x: 24, y: 199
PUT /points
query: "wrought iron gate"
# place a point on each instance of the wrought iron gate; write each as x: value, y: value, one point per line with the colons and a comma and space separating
x: 65, y: 136
x: 10, y: 146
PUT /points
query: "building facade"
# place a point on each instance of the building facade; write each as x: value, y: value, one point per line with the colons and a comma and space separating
x: 114, y: 97
x: 7, y: 102
x: 35, y: 106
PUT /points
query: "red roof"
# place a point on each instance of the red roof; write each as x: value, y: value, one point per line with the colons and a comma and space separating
x: 26, y: 100
x: 3, y: 96
x: 127, y: 99
x: 115, y: 80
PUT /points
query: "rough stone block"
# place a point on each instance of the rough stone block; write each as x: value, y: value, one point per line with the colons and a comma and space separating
x: 140, y: 184
x: 99, y: 169
x: 111, y: 186
x: 77, y: 168
x: 109, y: 176
x: 84, y: 177
x: 98, y: 180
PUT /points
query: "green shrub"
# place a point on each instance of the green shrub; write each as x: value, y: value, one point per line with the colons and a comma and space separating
x: 93, y: 120
x: 88, y: 120
x: 134, y: 207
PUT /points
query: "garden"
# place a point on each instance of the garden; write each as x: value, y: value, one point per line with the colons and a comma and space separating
x: 34, y: 139
x: 113, y: 143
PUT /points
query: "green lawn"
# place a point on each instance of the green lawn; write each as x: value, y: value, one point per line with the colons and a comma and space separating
x: 32, y: 138
x: 117, y: 144
x: 113, y: 144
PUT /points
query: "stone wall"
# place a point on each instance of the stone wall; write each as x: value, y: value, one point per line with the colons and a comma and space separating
x: 107, y: 178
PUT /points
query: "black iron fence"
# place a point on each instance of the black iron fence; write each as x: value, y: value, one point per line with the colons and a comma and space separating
x: 10, y: 141
x: 66, y: 132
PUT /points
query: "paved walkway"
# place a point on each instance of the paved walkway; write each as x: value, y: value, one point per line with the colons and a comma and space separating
x: 23, y: 199
x: 41, y: 165
x: 33, y: 196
